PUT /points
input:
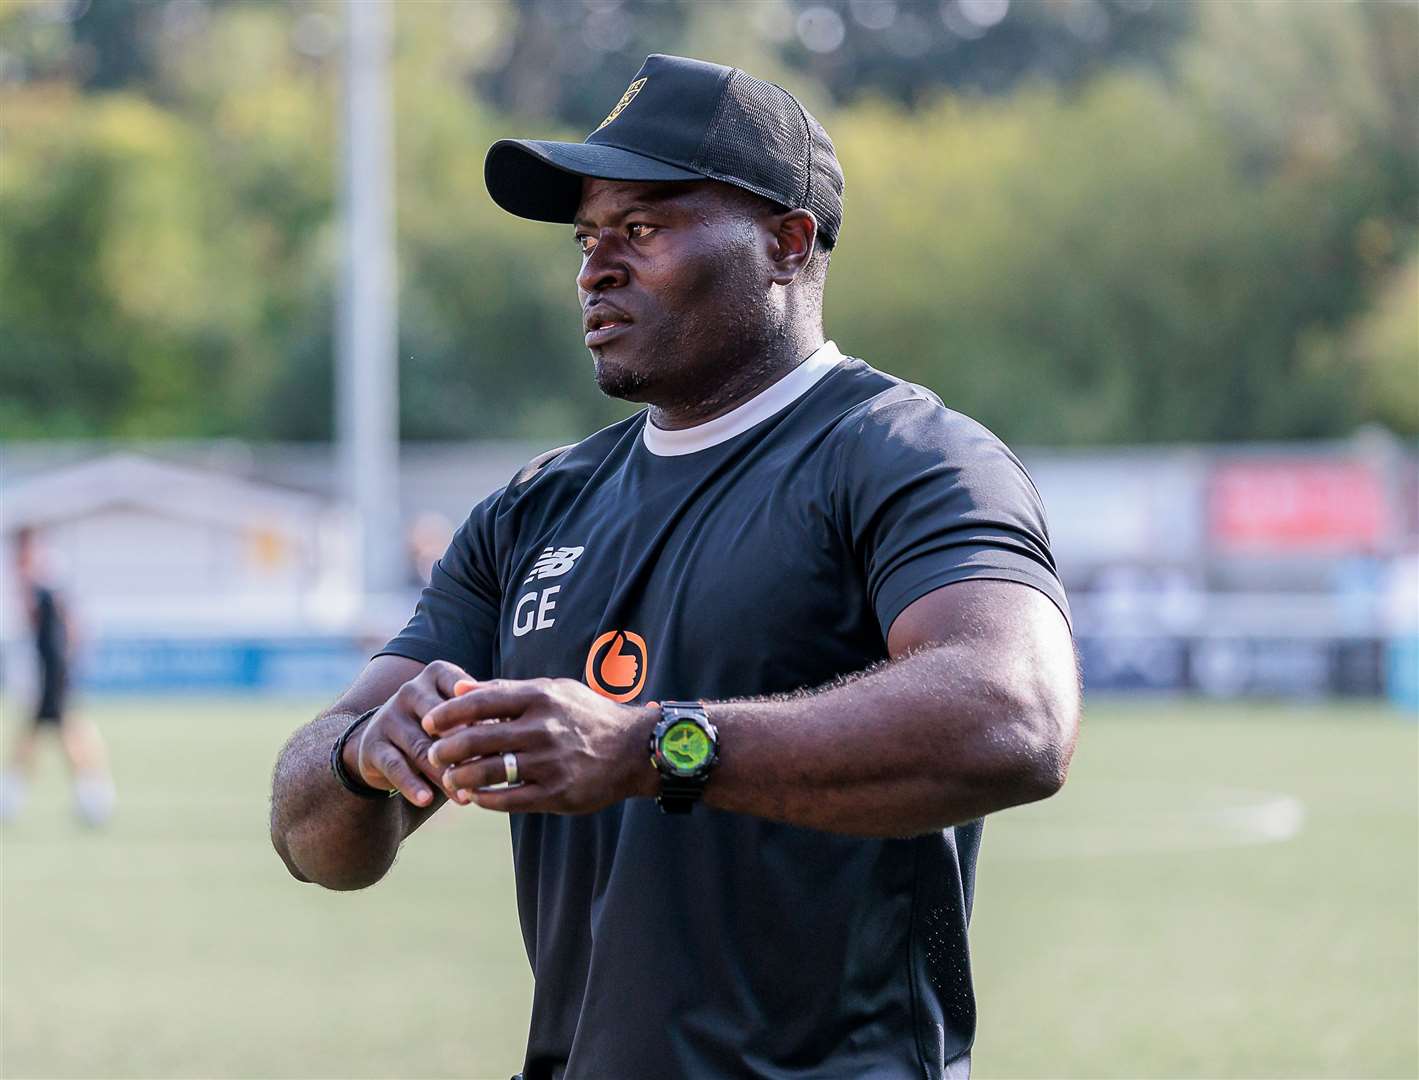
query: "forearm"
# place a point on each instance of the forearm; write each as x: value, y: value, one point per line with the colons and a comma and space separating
x: 322, y: 832
x: 978, y: 712
x: 935, y: 739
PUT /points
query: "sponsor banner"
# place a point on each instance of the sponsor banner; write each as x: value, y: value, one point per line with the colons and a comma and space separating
x: 276, y: 665
x: 1402, y: 672
x: 1156, y: 663
x: 1235, y: 667
x: 1296, y: 506
x: 1218, y: 667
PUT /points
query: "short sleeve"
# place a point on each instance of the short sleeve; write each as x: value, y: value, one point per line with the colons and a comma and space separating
x: 929, y: 497
x: 457, y: 615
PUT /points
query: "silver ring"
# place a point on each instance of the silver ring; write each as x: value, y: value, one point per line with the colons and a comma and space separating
x: 510, y: 765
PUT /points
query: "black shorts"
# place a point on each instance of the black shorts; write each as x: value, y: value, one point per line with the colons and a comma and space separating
x: 54, y: 688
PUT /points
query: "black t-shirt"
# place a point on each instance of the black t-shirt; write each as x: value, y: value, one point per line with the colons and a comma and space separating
x: 764, y: 552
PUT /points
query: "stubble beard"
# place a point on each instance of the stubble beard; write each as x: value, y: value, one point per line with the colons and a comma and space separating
x: 619, y: 381
x: 700, y: 388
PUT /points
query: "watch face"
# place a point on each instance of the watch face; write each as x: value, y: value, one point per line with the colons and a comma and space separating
x: 685, y: 747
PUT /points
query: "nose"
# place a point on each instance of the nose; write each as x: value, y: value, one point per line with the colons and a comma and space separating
x: 603, y: 268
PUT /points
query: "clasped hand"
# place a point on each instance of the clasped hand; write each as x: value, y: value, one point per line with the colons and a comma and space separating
x: 576, y: 751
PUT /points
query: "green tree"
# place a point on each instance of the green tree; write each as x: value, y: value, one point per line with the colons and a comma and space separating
x: 1378, y: 353
x: 1212, y: 252
x: 1142, y: 260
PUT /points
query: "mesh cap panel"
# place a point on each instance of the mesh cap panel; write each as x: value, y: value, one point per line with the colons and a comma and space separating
x: 758, y: 130
x: 825, y: 196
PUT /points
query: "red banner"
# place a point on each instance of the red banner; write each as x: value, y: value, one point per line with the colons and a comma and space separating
x: 1297, y: 506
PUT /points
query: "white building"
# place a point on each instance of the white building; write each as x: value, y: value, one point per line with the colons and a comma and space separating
x: 142, y: 544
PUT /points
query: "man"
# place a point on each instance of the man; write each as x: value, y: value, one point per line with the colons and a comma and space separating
x: 51, y: 629
x: 838, y: 592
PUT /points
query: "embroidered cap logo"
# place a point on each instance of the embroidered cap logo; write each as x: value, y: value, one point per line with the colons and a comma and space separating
x: 626, y: 99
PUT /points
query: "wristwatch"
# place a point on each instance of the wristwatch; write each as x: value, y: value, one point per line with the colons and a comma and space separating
x: 683, y: 748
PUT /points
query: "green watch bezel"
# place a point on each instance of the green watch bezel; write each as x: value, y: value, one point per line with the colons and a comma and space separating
x: 682, y: 782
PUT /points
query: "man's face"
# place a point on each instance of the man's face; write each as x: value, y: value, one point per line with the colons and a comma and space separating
x: 672, y: 285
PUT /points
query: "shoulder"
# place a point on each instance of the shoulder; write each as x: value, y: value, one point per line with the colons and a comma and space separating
x: 574, y: 463
x: 552, y: 477
x: 890, y: 419
x: 533, y: 495
x: 537, y: 464
x: 900, y: 450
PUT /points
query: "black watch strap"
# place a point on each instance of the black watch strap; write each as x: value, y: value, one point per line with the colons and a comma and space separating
x: 678, y: 795
x: 337, y: 761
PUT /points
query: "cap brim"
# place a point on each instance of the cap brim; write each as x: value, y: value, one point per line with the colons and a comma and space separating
x: 542, y: 180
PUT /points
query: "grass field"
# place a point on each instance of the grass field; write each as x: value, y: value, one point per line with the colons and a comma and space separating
x: 1218, y: 892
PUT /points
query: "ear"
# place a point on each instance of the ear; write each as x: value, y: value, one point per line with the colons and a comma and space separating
x: 791, y: 245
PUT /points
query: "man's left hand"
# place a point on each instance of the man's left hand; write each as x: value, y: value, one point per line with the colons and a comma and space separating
x: 577, y: 752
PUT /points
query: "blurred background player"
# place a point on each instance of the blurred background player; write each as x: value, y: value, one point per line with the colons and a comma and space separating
x: 54, y: 639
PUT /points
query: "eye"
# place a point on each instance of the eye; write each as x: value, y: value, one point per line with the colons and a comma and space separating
x: 638, y: 230
x: 585, y: 241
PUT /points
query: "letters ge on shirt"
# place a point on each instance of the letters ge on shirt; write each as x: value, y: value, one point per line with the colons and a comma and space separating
x: 534, y: 609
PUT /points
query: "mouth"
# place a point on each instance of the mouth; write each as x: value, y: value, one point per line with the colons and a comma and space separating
x: 602, y: 326
x: 605, y: 332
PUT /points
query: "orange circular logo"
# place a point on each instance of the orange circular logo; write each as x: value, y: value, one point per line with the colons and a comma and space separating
x: 615, y: 666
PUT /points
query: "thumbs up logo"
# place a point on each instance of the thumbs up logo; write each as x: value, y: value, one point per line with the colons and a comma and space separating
x: 615, y: 666
x: 619, y: 668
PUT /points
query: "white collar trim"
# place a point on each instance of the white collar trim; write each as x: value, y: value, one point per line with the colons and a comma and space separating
x: 764, y: 404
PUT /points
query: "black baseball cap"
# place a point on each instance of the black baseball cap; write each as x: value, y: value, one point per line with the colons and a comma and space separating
x: 681, y: 119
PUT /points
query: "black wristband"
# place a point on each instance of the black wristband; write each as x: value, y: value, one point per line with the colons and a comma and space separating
x: 678, y: 796
x: 337, y: 762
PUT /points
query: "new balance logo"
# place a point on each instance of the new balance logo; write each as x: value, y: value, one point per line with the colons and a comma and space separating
x: 554, y: 562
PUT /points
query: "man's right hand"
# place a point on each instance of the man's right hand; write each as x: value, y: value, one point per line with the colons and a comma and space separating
x: 390, y: 751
